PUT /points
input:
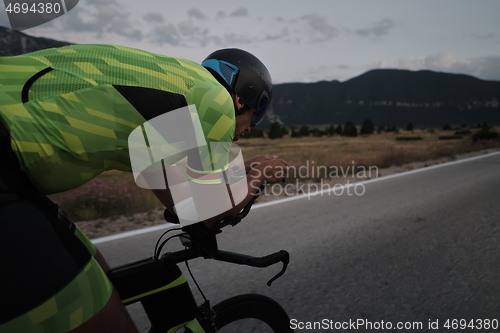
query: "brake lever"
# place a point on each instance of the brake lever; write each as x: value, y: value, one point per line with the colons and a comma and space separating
x: 283, y: 270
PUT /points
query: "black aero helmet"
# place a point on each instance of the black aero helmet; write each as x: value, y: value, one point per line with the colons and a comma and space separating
x: 242, y: 73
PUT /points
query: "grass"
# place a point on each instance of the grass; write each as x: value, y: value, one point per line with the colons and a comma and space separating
x: 381, y: 150
x: 408, y: 138
x: 112, y: 193
x: 115, y: 192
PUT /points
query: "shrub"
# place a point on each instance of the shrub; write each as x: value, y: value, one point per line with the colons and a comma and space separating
x: 447, y: 127
x: 409, y: 127
x: 463, y: 132
x: 104, y: 197
x: 275, y: 131
x: 317, y: 132
x: 338, y: 130
x: 295, y: 134
x: 254, y: 133
x: 330, y: 130
x: 304, y: 131
x: 486, y: 134
x: 392, y: 129
x: 408, y: 138
x: 450, y: 137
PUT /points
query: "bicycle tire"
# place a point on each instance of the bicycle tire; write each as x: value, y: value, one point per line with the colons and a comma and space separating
x: 251, y: 306
x: 254, y: 306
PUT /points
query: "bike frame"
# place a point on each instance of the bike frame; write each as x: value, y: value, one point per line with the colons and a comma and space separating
x: 163, y: 290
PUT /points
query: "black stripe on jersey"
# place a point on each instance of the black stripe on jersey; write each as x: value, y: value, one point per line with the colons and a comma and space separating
x: 151, y: 103
x: 29, y: 83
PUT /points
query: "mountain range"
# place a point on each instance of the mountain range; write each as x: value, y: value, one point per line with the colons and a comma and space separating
x: 15, y: 43
x: 388, y: 97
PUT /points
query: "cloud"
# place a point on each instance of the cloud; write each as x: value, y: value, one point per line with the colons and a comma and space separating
x: 283, y: 34
x: 380, y: 64
x: 220, y: 14
x: 240, y: 12
x: 153, y: 17
x: 4, y: 19
x: 187, y: 28
x: 439, y: 62
x: 196, y: 13
x: 378, y: 29
x: 185, y: 33
x: 486, y: 67
x: 319, y: 28
x: 101, y: 17
x: 233, y: 38
x: 166, y: 34
x: 487, y: 36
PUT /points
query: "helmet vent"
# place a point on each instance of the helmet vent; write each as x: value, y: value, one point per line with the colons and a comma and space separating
x: 227, y: 72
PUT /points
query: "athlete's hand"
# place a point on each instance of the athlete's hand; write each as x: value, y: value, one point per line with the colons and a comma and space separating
x: 272, y: 170
x: 256, y: 160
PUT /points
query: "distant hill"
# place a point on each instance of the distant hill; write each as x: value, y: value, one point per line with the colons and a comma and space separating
x: 390, y: 97
x: 386, y: 96
x: 12, y: 44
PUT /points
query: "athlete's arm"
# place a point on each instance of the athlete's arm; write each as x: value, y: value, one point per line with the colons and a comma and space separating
x: 269, y: 170
x: 252, y: 162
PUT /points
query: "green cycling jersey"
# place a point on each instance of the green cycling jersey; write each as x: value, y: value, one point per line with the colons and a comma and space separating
x: 69, y: 110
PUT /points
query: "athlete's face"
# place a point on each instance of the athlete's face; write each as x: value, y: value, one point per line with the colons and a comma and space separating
x: 243, y: 120
x: 243, y: 124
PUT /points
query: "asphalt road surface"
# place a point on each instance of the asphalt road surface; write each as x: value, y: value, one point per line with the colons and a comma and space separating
x: 418, y: 248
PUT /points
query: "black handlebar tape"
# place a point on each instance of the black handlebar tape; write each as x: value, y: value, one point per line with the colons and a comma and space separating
x: 242, y: 259
x: 281, y: 256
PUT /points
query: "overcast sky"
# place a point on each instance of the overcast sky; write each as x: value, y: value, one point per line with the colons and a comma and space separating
x: 299, y: 41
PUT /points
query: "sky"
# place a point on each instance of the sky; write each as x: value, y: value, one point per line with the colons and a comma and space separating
x: 299, y: 41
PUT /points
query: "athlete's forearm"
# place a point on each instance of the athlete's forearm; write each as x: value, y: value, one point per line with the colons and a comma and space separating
x: 254, y: 180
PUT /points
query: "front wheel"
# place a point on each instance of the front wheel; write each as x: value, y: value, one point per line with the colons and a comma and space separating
x: 251, y: 313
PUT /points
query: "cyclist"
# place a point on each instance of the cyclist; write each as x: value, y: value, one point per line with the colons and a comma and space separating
x: 65, y: 115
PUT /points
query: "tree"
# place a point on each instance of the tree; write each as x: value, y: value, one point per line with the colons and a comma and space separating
x: 350, y: 129
x: 446, y: 127
x: 330, y: 130
x: 367, y: 127
x: 380, y: 129
x: 338, y: 130
x: 294, y: 133
x: 392, y: 129
x: 275, y: 131
x: 409, y: 127
x: 304, y: 131
x: 255, y: 133
x: 317, y: 132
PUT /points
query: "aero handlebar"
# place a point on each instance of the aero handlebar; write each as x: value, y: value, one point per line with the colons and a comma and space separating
x: 201, y: 242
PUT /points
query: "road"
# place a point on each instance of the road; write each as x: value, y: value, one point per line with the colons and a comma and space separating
x: 419, y: 247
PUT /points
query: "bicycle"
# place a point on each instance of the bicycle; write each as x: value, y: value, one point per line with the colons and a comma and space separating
x: 168, y: 301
